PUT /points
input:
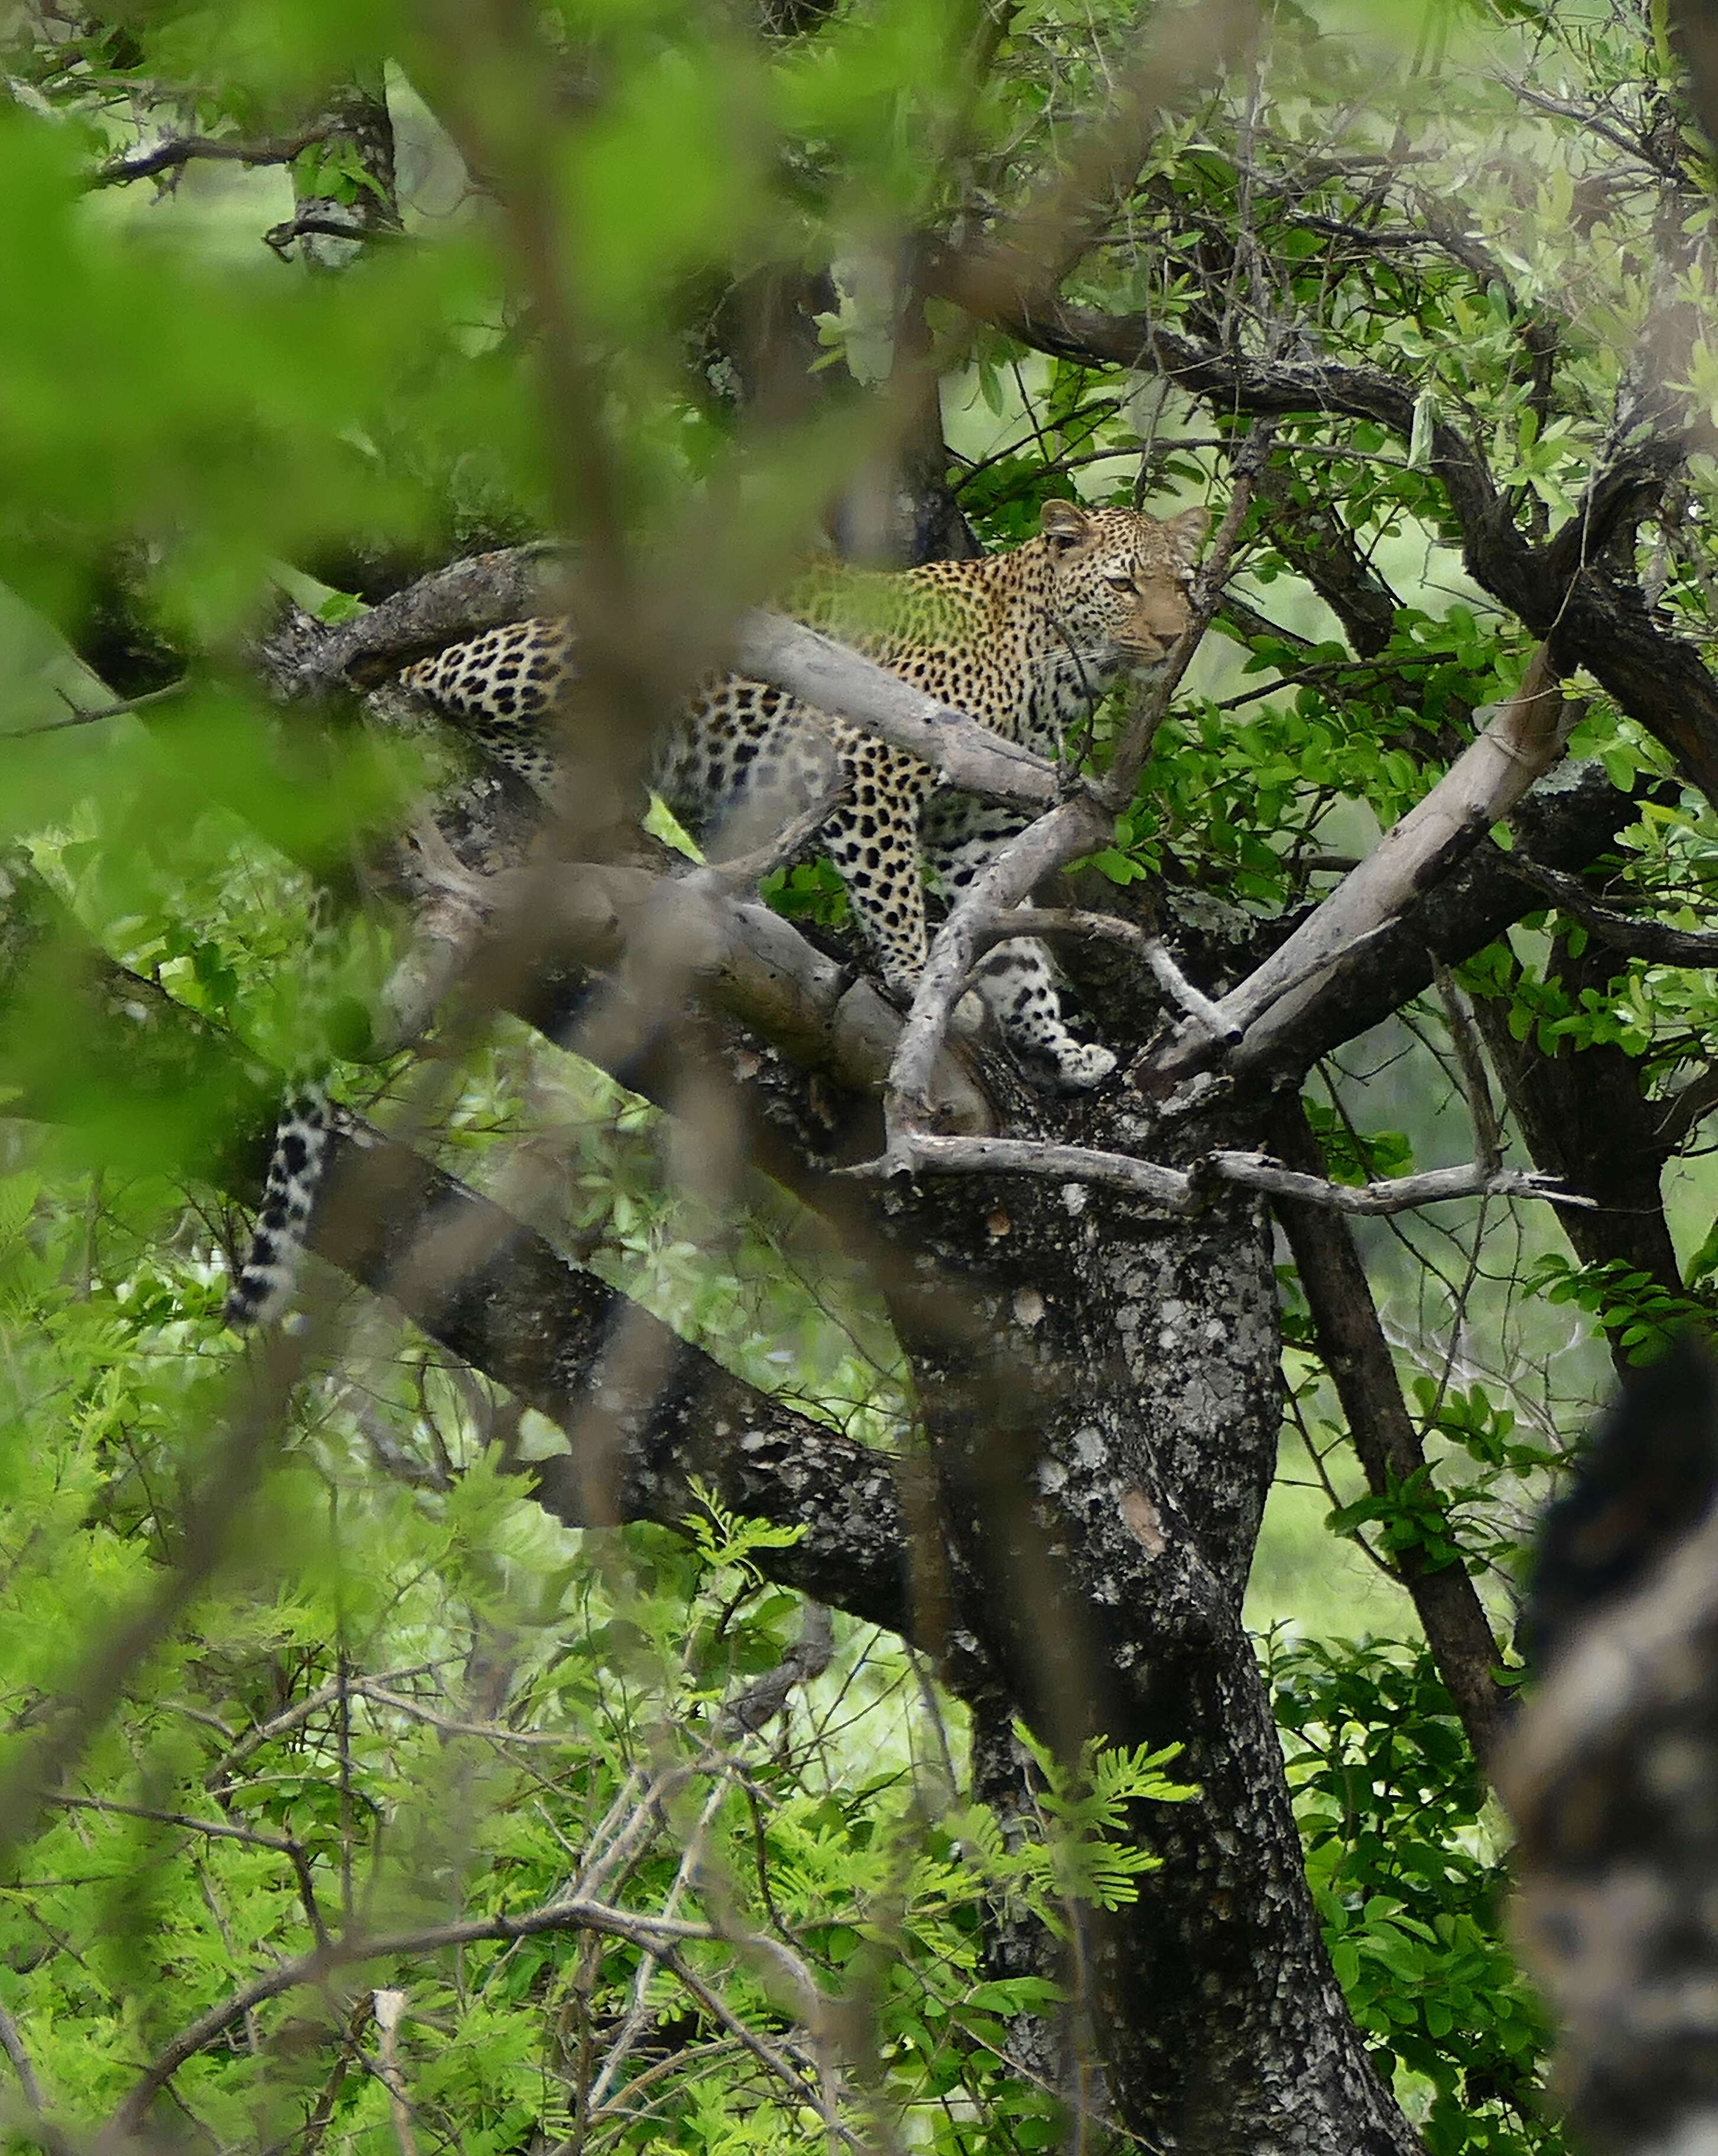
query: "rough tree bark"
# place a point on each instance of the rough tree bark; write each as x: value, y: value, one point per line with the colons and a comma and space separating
x: 1101, y: 1401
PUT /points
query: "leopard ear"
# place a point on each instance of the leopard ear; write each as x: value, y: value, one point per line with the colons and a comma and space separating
x: 1063, y: 523
x: 1186, y: 534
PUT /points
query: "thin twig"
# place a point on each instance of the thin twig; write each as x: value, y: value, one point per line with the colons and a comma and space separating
x: 1076, y: 920
x: 1185, y: 1192
x: 632, y: 2026
x: 492, y: 1731
x: 1115, y: 790
x: 657, y: 1934
x: 1470, y: 1065
x: 390, y: 2005
x: 219, y: 1830
x: 89, y: 718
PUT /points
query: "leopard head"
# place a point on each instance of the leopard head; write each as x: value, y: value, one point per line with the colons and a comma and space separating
x: 1119, y: 581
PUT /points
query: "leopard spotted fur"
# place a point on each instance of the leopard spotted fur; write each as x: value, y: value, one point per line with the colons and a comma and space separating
x: 1025, y: 641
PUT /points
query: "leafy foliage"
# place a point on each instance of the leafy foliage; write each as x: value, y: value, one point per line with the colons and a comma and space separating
x: 1401, y: 1851
x: 398, y: 1700
x: 425, y: 1711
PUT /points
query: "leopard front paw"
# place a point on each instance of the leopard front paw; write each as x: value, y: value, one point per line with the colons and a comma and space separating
x: 1082, y: 1065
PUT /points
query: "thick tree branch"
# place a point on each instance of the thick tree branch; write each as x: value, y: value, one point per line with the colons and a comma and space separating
x: 1562, y: 588
x: 1184, y: 1193
x: 175, y: 151
x: 1569, y: 818
x: 738, y: 957
x: 1262, y: 388
x: 1631, y: 933
x: 828, y: 675
x: 328, y: 228
x: 302, y: 657
x: 1312, y: 539
x: 512, y: 1308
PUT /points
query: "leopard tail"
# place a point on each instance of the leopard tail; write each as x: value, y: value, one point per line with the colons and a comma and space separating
x: 265, y: 1281
x: 263, y: 1287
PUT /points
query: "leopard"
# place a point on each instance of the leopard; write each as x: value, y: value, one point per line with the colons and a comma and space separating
x: 1027, y: 641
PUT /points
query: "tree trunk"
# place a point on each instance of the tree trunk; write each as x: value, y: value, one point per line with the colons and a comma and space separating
x: 1102, y: 1397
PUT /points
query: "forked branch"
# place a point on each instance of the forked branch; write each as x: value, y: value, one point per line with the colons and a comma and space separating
x: 1524, y: 739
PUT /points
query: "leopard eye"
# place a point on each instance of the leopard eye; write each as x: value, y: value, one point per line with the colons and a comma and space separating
x: 1120, y: 583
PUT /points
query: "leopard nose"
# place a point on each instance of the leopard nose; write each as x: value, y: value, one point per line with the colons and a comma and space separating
x: 1159, y: 633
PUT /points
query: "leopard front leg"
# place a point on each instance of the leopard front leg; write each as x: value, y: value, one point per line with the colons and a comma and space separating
x: 1017, y: 980
x: 873, y: 839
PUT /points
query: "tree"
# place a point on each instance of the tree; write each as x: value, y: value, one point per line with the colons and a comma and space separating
x: 383, y: 1764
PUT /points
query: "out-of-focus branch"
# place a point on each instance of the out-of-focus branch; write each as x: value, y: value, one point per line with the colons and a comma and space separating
x: 1609, y: 1772
x: 12, y: 2043
x: 766, y: 1696
x: 512, y: 1308
x: 744, y: 960
x: 1693, y: 25
x: 1049, y: 234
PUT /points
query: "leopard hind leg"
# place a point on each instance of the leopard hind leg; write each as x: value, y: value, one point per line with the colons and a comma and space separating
x: 1017, y: 981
